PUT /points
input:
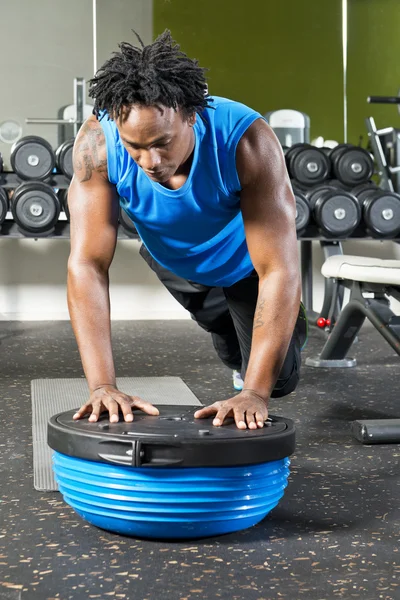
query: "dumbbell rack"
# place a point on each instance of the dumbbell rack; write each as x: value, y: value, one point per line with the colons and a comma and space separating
x: 330, y: 247
x: 312, y: 177
x: 9, y: 229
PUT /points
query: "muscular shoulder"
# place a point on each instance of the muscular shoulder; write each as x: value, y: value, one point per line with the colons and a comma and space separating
x: 90, y: 152
x: 259, y: 151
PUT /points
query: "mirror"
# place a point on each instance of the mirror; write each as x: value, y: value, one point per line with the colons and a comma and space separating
x: 267, y: 55
x: 44, y: 48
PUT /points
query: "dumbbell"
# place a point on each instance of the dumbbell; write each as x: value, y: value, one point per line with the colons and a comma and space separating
x: 127, y: 224
x: 303, y: 213
x: 35, y: 208
x: 380, y: 210
x: 32, y: 157
x: 63, y: 197
x: 4, y: 204
x: 307, y: 164
x: 64, y: 158
x: 336, y: 212
x: 351, y: 164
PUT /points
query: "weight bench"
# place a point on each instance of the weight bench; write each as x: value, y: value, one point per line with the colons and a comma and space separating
x: 372, y: 282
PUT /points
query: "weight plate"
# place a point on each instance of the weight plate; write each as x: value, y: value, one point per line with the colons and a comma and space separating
x: 336, y: 183
x: 309, y: 166
x: 353, y: 166
x: 35, y: 207
x: 10, y: 132
x: 3, y: 205
x: 298, y: 187
x: 336, y: 152
x: 303, y: 212
x: 63, y: 197
x: 292, y: 151
x: 32, y: 157
x: 369, y: 185
x: 382, y: 213
x: 127, y: 224
x: 339, y: 214
x: 335, y: 211
x: 314, y: 194
x: 64, y: 158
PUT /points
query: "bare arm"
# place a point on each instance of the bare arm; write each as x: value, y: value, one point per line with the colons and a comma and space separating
x: 269, y: 209
x: 93, y: 206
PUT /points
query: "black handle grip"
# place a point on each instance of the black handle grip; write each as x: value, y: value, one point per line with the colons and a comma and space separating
x: 136, y: 453
x: 383, y: 99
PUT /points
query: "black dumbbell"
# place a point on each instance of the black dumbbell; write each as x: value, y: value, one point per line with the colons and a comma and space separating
x: 32, y: 157
x: 380, y: 210
x: 64, y: 158
x: 307, y: 164
x: 63, y: 197
x: 303, y: 213
x: 127, y: 224
x: 352, y: 165
x: 35, y: 208
x: 336, y: 211
x: 4, y: 205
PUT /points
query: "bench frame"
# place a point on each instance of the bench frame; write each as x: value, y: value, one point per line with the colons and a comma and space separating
x: 377, y: 310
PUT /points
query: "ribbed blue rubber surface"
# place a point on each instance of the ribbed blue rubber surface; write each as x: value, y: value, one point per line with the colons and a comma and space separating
x: 170, y: 503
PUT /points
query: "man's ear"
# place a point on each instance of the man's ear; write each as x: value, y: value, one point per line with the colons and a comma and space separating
x: 192, y: 119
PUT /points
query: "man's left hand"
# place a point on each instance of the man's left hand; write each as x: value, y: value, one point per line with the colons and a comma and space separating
x: 247, y: 408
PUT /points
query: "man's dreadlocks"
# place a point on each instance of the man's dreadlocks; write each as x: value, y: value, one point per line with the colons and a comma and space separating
x: 157, y: 74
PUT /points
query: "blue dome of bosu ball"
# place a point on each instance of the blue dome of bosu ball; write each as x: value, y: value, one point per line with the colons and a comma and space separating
x: 170, y: 476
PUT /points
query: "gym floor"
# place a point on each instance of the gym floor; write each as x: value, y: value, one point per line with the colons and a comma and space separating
x: 335, y: 533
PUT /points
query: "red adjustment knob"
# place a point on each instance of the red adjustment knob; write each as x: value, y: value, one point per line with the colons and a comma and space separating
x: 321, y: 322
x: 328, y: 322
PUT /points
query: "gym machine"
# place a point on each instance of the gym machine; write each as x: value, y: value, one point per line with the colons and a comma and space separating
x: 385, y: 144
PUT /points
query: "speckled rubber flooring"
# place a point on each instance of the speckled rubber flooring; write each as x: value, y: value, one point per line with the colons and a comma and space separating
x: 335, y: 534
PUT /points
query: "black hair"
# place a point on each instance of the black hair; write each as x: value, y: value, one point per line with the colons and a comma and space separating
x: 157, y: 74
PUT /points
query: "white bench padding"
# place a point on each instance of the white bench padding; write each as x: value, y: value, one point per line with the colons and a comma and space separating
x: 361, y: 268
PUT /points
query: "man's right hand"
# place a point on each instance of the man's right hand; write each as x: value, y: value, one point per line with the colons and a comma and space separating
x: 109, y: 398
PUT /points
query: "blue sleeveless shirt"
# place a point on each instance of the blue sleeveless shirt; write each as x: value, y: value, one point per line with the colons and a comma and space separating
x: 196, y: 231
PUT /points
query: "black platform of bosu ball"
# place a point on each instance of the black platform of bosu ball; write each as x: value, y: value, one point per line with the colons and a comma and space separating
x: 170, y: 476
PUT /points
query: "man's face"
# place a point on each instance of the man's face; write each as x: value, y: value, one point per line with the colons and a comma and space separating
x: 158, y: 139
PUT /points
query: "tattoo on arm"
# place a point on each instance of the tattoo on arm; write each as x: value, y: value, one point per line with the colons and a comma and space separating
x: 258, y: 317
x: 89, y: 151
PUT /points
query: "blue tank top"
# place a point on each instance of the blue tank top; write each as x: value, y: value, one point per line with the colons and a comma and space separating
x: 196, y: 231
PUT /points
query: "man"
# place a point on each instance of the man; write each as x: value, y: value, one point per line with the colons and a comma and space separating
x: 204, y: 180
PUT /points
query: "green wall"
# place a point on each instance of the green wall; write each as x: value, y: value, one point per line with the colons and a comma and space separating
x: 266, y: 54
x: 373, y: 63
